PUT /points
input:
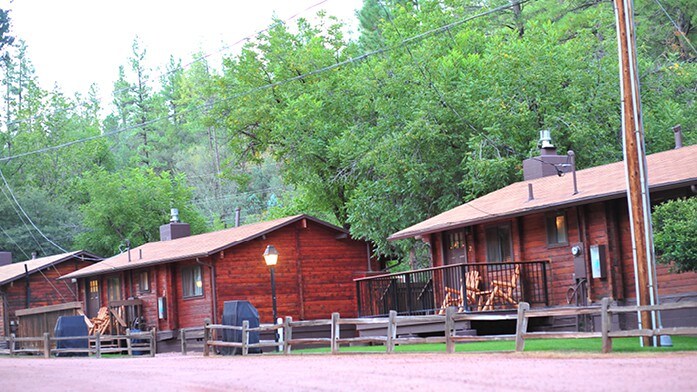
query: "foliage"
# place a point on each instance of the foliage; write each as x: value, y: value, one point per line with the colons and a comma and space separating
x: 373, y: 134
x: 675, y: 233
x: 131, y: 205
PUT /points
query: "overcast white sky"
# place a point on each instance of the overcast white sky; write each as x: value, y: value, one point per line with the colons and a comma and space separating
x: 75, y: 43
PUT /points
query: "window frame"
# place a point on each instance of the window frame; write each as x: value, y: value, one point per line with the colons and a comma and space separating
x: 498, y: 227
x: 113, y: 287
x: 551, y: 229
x: 189, y: 286
x: 144, y: 274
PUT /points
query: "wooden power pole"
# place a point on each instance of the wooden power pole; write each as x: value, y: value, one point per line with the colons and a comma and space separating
x: 635, y: 165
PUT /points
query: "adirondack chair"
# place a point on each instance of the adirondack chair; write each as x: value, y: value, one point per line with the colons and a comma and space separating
x: 503, y: 290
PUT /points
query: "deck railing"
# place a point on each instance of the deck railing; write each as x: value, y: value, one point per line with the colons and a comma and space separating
x: 471, y: 287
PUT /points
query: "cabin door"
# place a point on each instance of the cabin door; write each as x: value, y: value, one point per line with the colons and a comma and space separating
x: 92, y: 298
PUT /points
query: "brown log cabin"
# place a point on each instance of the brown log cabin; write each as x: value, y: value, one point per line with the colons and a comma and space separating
x: 182, y: 280
x: 554, y: 239
x: 33, y: 284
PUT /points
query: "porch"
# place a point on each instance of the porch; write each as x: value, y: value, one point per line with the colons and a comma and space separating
x: 471, y: 287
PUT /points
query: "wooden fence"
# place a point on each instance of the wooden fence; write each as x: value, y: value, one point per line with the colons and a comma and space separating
x: 98, y: 344
x: 449, y: 338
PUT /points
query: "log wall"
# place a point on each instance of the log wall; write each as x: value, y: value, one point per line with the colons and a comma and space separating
x: 45, y: 290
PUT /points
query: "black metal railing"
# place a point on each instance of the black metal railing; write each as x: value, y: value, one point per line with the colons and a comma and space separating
x: 471, y: 287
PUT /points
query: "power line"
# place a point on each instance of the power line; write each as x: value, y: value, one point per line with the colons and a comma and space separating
x: 194, y: 61
x: 27, y: 216
x: 415, y: 38
x: 21, y: 219
x: 14, y: 242
x: 677, y: 27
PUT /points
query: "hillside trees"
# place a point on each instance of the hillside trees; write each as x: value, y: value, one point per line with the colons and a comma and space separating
x: 382, y: 143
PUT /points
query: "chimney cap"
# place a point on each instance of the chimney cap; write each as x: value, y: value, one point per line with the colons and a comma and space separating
x: 545, y: 139
x: 174, y: 215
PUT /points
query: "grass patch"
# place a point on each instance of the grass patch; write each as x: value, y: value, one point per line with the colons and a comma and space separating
x: 594, y: 345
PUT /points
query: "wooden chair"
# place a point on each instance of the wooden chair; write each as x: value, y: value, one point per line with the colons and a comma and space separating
x: 503, y: 290
x: 452, y: 297
x: 472, y: 281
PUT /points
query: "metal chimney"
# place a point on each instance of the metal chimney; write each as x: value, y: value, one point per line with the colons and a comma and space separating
x: 545, y: 140
x: 678, y: 136
x: 175, y: 215
x: 237, y: 217
x: 5, y: 258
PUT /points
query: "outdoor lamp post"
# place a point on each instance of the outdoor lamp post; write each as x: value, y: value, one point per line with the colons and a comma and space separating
x: 271, y: 258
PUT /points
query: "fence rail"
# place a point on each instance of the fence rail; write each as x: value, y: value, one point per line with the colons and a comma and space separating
x: 135, y: 342
x: 449, y: 319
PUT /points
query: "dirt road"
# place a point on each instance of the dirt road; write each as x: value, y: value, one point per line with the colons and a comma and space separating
x: 355, y: 372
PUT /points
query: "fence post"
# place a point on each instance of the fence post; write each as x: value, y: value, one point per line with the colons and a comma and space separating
x: 47, y: 345
x: 129, y: 342
x: 182, y: 339
x: 335, y: 333
x: 206, y: 337
x: 391, y: 331
x: 449, y: 329
x: 12, y: 344
x: 153, y: 341
x: 245, y: 337
x: 287, y: 334
x: 521, y: 327
x: 605, y: 324
x: 98, y: 344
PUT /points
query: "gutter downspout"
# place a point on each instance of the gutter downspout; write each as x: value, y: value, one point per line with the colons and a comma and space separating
x: 28, y: 291
x: 214, y: 293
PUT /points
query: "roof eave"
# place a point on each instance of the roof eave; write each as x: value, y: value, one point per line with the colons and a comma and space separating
x: 525, y: 211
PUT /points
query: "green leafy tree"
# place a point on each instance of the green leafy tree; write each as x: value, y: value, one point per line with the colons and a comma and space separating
x: 131, y: 205
x: 675, y: 234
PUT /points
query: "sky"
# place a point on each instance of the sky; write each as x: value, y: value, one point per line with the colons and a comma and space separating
x: 75, y: 43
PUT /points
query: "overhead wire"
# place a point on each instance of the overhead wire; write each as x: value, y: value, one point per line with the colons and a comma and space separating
x: 27, y: 216
x: 194, y: 61
x: 677, y: 27
x: 14, y: 242
x: 407, y: 41
x: 21, y: 219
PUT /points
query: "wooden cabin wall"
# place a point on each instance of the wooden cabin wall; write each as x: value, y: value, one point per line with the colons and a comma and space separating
x: 44, y: 291
x: 192, y: 311
x: 669, y: 284
x: 326, y: 269
x: 314, y: 275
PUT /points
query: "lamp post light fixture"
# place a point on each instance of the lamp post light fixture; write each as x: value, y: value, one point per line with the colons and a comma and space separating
x: 271, y: 258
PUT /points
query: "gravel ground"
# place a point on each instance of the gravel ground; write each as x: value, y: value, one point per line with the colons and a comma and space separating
x: 356, y: 372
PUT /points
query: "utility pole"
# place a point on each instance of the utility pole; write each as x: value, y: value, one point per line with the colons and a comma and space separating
x: 635, y: 166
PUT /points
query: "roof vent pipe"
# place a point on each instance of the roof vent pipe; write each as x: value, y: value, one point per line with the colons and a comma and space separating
x: 545, y: 139
x: 678, y: 136
x: 175, y: 215
x: 572, y: 156
x: 530, y: 195
x: 128, y: 244
x: 237, y: 217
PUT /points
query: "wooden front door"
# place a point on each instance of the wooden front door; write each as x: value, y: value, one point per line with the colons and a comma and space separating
x: 92, y: 297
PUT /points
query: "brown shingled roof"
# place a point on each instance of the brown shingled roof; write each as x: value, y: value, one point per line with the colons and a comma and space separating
x: 668, y: 169
x: 201, y: 245
x: 14, y: 271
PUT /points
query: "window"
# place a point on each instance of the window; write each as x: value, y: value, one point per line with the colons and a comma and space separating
x: 455, y: 247
x: 556, y: 229
x: 192, y: 285
x: 498, y: 244
x: 144, y: 281
x: 114, y: 289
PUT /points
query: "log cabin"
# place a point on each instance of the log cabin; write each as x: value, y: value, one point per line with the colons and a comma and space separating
x: 561, y: 237
x: 33, y: 284
x: 182, y: 280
